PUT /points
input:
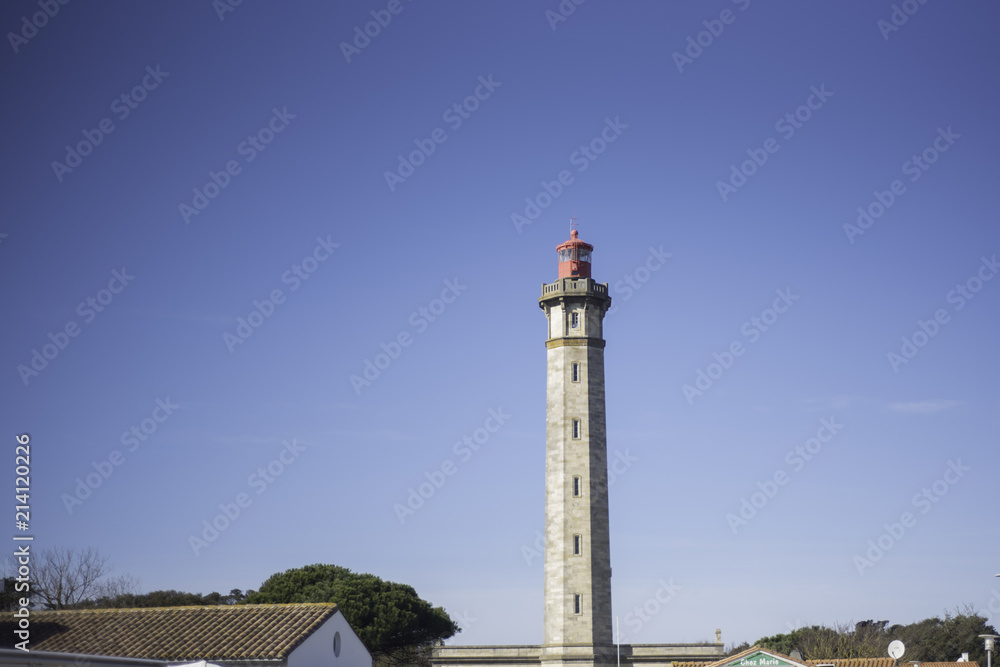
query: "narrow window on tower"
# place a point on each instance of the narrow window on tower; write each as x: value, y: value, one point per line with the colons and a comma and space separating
x: 575, y: 319
x: 577, y: 545
x: 576, y: 429
x: 576, y: 371
x: 577, y: 603
x: 577, y: 487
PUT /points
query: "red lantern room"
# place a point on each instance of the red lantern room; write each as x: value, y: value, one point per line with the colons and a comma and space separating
x: 574, y: 257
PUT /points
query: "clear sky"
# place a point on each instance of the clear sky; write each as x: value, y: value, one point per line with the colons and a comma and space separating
x: 215, y: 215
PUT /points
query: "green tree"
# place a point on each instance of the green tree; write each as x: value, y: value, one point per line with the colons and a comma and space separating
x: 945, y: 639
x: 733, y: 649
x: 930, y: 640
x: 169, y: 598
x: 783, y: 643
x: 396, y: 625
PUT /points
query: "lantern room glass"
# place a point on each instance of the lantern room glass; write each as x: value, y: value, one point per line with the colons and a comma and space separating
x: 574, y: 254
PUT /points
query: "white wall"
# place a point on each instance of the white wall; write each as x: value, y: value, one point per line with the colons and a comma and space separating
x: 317, y: 650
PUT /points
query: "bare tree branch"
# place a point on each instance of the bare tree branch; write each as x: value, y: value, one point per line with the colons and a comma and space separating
x: 64, y: 577
x: 117, y: 587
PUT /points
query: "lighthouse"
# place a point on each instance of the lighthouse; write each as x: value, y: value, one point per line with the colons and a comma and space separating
x: 577, y: 623
x: 577, y: 616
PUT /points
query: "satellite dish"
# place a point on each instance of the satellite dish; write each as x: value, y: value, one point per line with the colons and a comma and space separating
x: 896, y: 649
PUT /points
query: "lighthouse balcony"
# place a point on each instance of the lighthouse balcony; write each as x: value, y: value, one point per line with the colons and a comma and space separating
x: 574, y: 287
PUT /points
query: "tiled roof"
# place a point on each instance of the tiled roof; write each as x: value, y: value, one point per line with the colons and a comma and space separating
x: 228, y: 632
x: 853, y: 662
x: 836, y: 662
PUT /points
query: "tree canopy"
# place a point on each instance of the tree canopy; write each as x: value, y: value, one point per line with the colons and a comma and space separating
x: 390, y: 618
x: 930, y: 640
x: 169, y: 598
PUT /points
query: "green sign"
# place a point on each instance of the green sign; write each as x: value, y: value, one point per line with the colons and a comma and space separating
x: 759, y: 659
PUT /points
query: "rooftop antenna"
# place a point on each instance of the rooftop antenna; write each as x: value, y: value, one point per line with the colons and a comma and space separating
x: 572, y: 228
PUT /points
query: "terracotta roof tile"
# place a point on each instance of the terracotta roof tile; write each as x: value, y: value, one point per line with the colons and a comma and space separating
x: 228, y: 632
x: 853, y: 662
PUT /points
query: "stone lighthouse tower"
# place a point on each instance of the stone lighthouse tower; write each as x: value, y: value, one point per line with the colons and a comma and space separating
x: 577, y: 628
x: 577, y: 550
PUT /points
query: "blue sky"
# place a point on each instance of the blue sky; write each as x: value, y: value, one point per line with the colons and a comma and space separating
x: 232, y: 218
